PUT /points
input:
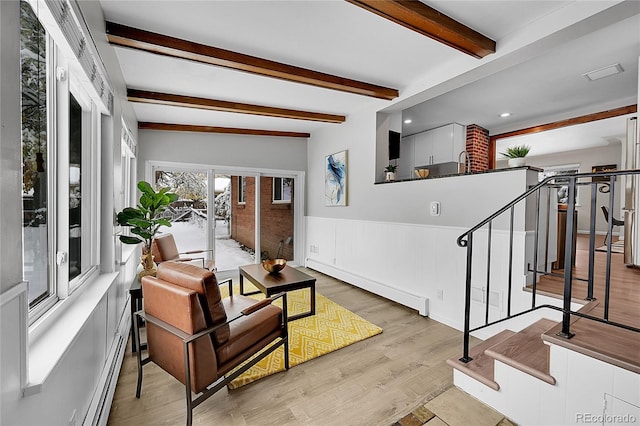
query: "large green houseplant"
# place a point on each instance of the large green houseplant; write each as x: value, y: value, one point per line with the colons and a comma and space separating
x: 144, y: 221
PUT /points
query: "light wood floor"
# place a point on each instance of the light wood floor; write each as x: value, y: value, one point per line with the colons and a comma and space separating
x: 611, y: 344
x: 374, y: 382
x: 624, y: 303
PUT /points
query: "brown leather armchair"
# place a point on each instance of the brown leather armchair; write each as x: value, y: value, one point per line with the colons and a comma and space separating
x: 164, y: 248
x: 198, y: 337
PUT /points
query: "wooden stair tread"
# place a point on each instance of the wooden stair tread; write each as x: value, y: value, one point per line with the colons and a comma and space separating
x: 481, y: 366
x: 526, y: 351
x: 605, y: 342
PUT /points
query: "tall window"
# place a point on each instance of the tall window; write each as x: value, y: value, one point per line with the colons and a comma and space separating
x: 282, y: 190
x: 75, y: 188
x: 60, y: 190
x: 242, y: 189
x: 37, y: 223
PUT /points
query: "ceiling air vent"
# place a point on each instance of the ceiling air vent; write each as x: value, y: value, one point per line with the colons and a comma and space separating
x: 603, y: 72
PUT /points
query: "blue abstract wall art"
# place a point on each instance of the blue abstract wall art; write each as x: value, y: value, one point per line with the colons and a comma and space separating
x: 335, y: 179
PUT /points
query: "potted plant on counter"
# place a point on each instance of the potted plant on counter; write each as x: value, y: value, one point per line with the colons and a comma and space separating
x: 144, y: 221
x: 516, y: 155
x: 390, y: 173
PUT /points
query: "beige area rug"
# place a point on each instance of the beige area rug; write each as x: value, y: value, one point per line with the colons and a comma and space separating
x: 617, y: 247
x: 332, y: 327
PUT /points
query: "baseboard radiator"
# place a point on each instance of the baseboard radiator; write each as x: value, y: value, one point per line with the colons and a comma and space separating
x: 98, y: 413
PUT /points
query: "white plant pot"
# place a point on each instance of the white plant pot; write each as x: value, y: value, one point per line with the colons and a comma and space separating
x: 389, y: 176
x: 517, y: 162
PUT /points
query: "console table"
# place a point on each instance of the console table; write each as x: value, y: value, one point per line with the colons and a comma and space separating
x: 135, y: 291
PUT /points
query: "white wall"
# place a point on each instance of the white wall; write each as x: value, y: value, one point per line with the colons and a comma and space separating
x: 401, y: 202
x: 385, y: 240
x: 263, y: 152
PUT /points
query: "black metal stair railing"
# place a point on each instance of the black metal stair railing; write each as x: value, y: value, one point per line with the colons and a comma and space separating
x: 599, y: 183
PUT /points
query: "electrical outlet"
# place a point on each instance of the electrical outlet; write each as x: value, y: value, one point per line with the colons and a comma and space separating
x: 440, y: 294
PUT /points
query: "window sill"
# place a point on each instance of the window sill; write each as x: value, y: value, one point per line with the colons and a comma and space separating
x: 52, y: 335
x: 127, y: 251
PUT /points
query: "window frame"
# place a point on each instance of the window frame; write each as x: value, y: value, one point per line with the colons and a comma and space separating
x: 51, y: 59
x: 242, y: 190
x: 89, y: 261
x: 281, y: 185
x: 65, y: 79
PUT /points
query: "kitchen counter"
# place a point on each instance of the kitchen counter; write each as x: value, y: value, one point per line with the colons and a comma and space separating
x: 463, y: 174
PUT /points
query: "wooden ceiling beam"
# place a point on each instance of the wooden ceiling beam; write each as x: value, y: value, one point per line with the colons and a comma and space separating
x: 145, y: 125
x: 419, y: 17
x: 121, y: 35
x: 156, y: 98
x: 616, y: 112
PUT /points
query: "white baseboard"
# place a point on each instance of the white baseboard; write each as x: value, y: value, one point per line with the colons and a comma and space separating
x: 414, y: 301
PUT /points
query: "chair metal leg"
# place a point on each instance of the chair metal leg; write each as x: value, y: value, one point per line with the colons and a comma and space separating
x: 187, y: 384
x: 286, y: 353
x: 136, y: 326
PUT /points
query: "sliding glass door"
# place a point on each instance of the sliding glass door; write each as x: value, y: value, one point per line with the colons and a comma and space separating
x: 240, y: 217
x: 233, y: 242
x: 188, y: 215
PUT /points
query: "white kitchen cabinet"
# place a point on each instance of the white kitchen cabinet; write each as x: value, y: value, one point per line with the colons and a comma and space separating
x: 423, y: 148
x: 406, y: 160
x: 458, y: 140
x: 439, y: 145
x: 442, y: 145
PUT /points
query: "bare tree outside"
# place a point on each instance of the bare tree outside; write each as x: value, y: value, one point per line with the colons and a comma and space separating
x: 189, y: 217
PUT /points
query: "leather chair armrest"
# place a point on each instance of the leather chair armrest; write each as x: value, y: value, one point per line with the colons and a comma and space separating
x: 189, y: 259
x: 164, y: 325
x: 247, y: 311
x: 256, y: 306
x: 186, y: 337
x: 196, y: 251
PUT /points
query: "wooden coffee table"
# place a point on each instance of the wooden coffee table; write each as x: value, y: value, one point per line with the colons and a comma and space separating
x: 288, y: 279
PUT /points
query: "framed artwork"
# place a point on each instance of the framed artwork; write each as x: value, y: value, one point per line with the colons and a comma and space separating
x: 335, y: 179
x: 605, y: 168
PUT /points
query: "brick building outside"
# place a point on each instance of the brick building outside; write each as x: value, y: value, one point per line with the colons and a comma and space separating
x: 276, y: 214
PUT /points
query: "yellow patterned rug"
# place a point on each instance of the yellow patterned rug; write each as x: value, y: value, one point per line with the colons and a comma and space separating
x: 331, y: 328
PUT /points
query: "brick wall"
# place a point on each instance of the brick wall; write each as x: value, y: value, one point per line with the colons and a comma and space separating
x: 242, y: 215
x: 478, y: 147
x: 276, y: 219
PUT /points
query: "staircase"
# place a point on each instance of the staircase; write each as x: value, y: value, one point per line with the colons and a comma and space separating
x: 534, y: 381
x: 549, y: 363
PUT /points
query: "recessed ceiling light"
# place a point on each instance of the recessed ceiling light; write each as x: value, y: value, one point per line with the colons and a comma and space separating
x: 505, y: 114
x: 407, y: 121
x: 603, y: 72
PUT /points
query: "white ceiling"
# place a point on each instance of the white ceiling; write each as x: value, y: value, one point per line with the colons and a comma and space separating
x: 339, y: 38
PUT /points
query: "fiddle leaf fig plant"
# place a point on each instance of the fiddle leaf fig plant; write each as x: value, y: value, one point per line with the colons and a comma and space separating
x: 143, y: 219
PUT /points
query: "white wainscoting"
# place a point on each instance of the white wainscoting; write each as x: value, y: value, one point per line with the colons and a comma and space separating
x: 419, y: 266
x: 13, y: 329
